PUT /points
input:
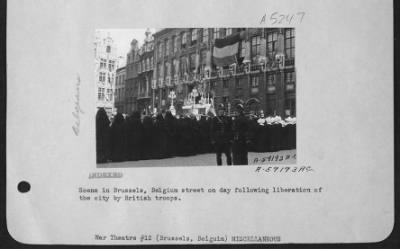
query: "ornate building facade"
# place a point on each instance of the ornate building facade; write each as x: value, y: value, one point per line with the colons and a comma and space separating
x: 106, y: 60
x: 139, y: 75
x: 262, y: 77
x: 181, y: 69
x: 119, y: 94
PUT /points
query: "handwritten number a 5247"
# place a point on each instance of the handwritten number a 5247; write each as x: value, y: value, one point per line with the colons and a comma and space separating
x: 277, y: 18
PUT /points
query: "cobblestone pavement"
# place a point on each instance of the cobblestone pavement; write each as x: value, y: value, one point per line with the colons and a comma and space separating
x: 266, y: 158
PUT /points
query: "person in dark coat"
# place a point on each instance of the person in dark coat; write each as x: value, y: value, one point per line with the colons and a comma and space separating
x: 161, y: 136
x: 260, y: 140
x: 102, y: 136
x: 186, y: 137
x: 210, y: 146
x: 241, y: 138
x: 147, y: 138
x: 118, y: 139
x: 134, y: 137
x: 221, y: 135
x: 180, y: 136
x: 254, y: 135
x: 291, y: 124
x: 195, y: 143
x: 276, y: 133
x: 204, y: 133
x: 171, y: 134
x: 268, y: 133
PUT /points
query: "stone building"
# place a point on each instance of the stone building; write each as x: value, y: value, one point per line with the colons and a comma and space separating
x: 131, y: 69
x: 119, y: 94
x: 106, y: 60
x: 139, y: 75
x: 262, y: 77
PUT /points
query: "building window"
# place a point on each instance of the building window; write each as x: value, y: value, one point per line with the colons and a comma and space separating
x: 108, y: 49
x: 255, y: 47
x: 205, y: 35
x: 289, y: 43
x: 159, y: 70
x: 167, y: 47
x: 100, y: 93
x: 243, y: 48
x: 173, y: 68
x: 290, y: 78
x: 102, y: 77
x: 228, y: 32
x: 103, y: 63
x: 216, y: 33
x: 271, y: 80
x: 271, y: 42
x: 212, y: 85
x: 192, y: 61
x: 222, y: 33
x: 160, y: 50
x: 109, y: 78
x: 109, y: 94
x: 290, y: 104
x: 176, y: 44
x: 173, y: 44
x: 111, y: 65
x: 194, y: 36
x: 254, y: 82
x: 167, y: 68
x: 184, y: 37
x: 237, y: 84
x: 225, y: 84
x: 271, y: 105
x: 203, y: 57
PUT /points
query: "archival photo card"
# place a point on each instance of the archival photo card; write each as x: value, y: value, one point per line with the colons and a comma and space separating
x: 154, y: 122
x: 192, y: 96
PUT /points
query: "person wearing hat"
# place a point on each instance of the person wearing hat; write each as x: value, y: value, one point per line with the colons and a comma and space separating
x: 240, y: 138
x: 221, y: 135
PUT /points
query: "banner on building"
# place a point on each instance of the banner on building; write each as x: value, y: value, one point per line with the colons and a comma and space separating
x: 226, y: 50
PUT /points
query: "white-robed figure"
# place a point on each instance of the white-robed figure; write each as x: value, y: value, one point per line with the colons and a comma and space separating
x: 290, y: 120
x: 260, y: 137
x: 269, y: 120
x: 261, y: 120
x: 291, y: 131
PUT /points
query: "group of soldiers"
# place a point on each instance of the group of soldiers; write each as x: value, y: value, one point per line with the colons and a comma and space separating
x: 141, y: 137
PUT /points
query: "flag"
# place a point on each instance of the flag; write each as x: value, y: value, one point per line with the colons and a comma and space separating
x: 208, y: 60
x: 279, y: 43
x: 162, y: 75
x: 176, y: 67
x: 263, y: 51
x: 154, y: 81
x: 168, y: 69
x: 247, y: 51
x: 226, y: 50
x: 197, y: 63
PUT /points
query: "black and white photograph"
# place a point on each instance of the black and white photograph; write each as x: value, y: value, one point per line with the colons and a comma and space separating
x: 185, y: 122
x: 195, y: 97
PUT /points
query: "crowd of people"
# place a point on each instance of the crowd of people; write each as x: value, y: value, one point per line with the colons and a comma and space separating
x: 142, y: 137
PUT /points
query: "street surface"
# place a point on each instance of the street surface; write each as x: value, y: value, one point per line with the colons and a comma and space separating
x: 264, y: 158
